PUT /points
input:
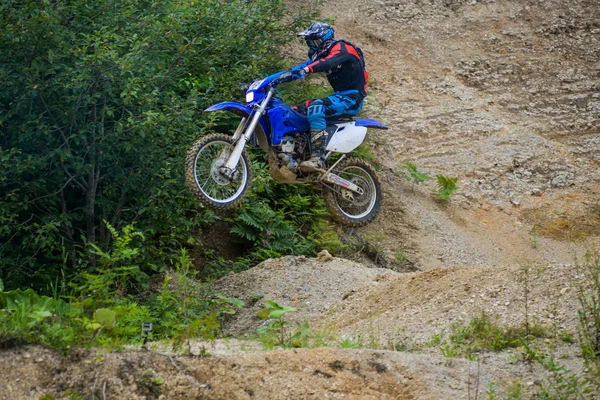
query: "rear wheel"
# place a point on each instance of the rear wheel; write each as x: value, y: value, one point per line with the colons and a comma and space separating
x: 204, y: 175
x: 350, y: 208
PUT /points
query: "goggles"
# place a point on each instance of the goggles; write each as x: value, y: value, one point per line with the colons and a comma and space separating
x: 314, y: 43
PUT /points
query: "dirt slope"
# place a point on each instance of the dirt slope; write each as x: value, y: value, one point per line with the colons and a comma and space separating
x: 291, y: 374
x: 309, y: 285
x: 412, y: 308
x: 504, y: 95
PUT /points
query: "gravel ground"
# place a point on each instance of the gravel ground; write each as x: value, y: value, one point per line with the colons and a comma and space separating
x: 309, y: 285
x: 32, y: 373
x: 504, y: 95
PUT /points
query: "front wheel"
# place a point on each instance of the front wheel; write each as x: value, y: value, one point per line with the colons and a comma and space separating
x: 347, y: 207
x: 204, y: 174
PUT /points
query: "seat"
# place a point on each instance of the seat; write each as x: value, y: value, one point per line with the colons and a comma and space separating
x: 340, y: 118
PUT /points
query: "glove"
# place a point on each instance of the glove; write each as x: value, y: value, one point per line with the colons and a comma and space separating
x: 299, y: 74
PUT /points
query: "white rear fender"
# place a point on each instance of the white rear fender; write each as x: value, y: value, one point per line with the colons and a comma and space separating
x: 346, y: 137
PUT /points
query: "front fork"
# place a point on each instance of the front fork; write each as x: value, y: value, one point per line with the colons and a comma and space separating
x: 229, y: 168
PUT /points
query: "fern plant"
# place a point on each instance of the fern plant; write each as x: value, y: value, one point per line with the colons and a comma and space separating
x: 446, y: 186
x: 119, y: 270
x: 414, y: 175
x: 264, y: 228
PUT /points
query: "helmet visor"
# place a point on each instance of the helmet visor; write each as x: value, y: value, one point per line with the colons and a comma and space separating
x: 314, y: 43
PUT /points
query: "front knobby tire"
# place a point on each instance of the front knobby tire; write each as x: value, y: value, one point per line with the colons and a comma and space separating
x: 349, y: 208
x: 204, y: 179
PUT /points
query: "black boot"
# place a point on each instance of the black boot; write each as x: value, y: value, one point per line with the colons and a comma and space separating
x: 317, y: 157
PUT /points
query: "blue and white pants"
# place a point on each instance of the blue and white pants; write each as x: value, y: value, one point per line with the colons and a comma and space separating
x: 341, y: 103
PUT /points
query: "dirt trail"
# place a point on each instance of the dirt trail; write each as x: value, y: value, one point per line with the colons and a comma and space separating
x: 504, y: 95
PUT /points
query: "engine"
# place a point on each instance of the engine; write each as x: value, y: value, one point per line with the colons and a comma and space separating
x: 291, y: 147
x: 288, y: 144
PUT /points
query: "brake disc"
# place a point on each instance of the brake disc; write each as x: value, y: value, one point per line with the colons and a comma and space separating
x: 215, y: 173
x: 358, y: 200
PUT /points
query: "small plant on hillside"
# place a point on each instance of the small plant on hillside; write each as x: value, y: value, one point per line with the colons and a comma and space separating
x: 414, y: 175
x: 446, y: 186
x: 400, y: 255
x: 348, y: 343
x: 589, y: 314
x: 275, y: 332
x: 564, y: 383
x: 513, y: 391
x: 483, y: 334
x: 524, y: 279
x: 535, y: 236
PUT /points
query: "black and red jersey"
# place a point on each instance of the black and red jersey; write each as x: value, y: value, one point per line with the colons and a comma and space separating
x: 344, y: 66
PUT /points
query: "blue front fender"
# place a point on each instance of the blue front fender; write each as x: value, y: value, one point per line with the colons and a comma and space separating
x: 260, y: 132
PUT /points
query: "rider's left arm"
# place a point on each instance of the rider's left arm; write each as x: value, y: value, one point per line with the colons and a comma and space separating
x: 337, y: 55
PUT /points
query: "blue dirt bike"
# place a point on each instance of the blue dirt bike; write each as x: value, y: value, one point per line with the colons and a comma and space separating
x: 218, y: 169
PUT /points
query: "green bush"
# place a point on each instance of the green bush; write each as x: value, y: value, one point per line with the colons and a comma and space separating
x: 110, y: 305
x: 26, y: 317
x: 99, y: 104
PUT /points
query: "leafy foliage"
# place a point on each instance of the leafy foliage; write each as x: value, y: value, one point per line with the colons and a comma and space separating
x: 589, y: 314
x: 118, y: 271
x: 258, y: 223
x: 446, y: 186
x: 564, y: 383
x: 26, y: 317
x: 414, y: 175
x: 275, y: 332
x: 278, y: 219
x: 483, y: 334
x: 104, y: 311
x: 99, y: 103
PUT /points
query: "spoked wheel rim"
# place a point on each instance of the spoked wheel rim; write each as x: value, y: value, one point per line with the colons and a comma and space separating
x: 217, y: 187
x: 351, y: 204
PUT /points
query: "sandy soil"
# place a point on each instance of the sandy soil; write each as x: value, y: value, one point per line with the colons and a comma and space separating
x: 499, y: 94
x: 504, y: 95
x: 32, y: 373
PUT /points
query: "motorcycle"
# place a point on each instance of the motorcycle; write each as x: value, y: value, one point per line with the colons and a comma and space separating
x: 218, y: 169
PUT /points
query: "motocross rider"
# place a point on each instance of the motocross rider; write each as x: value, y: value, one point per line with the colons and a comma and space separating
x: 344, y: 65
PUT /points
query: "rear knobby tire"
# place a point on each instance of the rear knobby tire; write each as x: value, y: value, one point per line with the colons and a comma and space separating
x: 202, y: 176
x: 355, y: 210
